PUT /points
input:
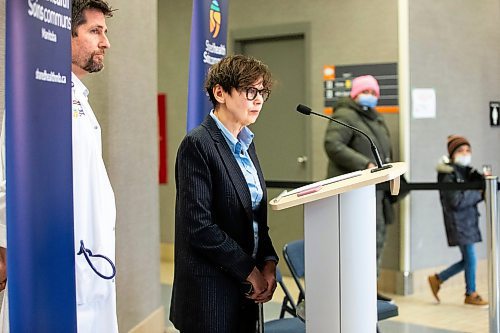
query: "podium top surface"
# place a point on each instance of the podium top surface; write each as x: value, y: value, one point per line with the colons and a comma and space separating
x: 337, y: 185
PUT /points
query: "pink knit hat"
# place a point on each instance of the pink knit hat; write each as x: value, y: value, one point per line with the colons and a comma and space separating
x: 362, y: 83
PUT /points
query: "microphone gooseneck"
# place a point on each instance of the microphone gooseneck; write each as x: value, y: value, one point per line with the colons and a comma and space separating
x: 308, y: 111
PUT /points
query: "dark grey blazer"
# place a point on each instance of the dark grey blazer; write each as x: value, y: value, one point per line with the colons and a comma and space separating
x: 213, y: 233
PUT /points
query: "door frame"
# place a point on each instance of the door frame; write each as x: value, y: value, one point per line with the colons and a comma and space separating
x: 236, y: 38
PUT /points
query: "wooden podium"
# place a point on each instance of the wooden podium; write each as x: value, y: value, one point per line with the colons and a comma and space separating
x: 340, y: 248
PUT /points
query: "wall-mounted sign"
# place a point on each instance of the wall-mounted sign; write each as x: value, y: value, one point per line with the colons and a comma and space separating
x: 338, y: 80
x: 423, y: 103
x: 494, y: 111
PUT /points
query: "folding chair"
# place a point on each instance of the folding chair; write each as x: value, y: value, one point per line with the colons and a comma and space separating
x: 293, y: 253
x: 285, y: 325
x: 385, y: 310
x: 288, y: 305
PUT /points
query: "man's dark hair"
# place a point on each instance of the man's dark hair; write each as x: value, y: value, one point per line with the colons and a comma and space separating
x: 236, y: 71
x: 79, y: 7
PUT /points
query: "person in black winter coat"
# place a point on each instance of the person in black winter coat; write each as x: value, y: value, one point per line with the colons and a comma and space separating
x: 349, y: 151
x: 461, y: 217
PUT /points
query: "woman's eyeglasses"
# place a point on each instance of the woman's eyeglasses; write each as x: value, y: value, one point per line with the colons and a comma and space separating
x: 251, y: 93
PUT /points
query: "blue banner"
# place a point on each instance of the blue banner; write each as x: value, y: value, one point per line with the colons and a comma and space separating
x: 208, y: 46
x: 41, y: 269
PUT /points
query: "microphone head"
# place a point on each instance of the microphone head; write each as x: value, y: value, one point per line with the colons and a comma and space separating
x: 304, y: 109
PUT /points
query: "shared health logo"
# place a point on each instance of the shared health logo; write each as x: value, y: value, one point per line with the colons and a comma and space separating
x: 215, y: 18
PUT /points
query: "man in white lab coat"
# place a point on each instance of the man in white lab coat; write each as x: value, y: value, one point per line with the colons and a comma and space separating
x: 94, y: 201
x: 93, y: 198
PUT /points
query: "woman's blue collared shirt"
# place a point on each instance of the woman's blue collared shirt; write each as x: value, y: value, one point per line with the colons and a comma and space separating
x: 239, y: 146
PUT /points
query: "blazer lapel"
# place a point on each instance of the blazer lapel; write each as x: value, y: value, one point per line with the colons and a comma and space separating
x: 231, y: 165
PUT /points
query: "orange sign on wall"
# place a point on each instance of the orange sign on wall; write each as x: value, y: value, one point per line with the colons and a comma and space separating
x: 328, y: 72
x: 338, y: 84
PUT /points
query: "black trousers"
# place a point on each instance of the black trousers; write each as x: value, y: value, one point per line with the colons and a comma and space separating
x: 248, y: 313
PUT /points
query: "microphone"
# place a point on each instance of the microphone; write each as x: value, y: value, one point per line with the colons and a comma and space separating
x: 307, y: 111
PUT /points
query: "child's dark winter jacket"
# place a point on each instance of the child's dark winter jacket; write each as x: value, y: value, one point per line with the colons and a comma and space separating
x: 460, y: 212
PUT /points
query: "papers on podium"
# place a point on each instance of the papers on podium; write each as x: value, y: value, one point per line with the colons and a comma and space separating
x: 314, y: 187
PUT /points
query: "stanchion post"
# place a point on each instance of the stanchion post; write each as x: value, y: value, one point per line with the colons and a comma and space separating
x: 492, y: 222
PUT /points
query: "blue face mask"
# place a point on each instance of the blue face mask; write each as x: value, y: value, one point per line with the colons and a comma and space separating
x: 367, y: 100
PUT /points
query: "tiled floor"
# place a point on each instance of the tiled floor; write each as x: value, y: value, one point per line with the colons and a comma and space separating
x: 418, y: 313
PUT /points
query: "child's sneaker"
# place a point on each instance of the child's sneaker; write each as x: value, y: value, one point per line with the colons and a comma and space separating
x: 475, y: 299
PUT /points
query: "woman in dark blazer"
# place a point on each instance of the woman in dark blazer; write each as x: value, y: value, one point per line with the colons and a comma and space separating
x: 224, y: 259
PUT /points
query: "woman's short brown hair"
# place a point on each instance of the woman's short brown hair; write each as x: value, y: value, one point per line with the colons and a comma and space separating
x: 236, y: 71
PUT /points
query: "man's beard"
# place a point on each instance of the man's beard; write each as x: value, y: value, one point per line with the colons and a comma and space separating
x: 92, y: 66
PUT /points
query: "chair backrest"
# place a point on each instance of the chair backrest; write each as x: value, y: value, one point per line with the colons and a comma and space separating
x: 294, y: 257
x: 293, y: 253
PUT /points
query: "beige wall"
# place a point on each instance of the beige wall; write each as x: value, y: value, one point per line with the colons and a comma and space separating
x: 174, y: 22
x: 123, y: 96
x: 342, y: 32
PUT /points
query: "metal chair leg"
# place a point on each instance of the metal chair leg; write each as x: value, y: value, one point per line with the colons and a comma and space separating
x: 260, y: 324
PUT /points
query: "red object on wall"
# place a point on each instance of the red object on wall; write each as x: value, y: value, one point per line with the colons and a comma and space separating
x: 162, y: 139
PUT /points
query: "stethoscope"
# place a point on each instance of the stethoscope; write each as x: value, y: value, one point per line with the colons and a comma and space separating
x: 87, y: 254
